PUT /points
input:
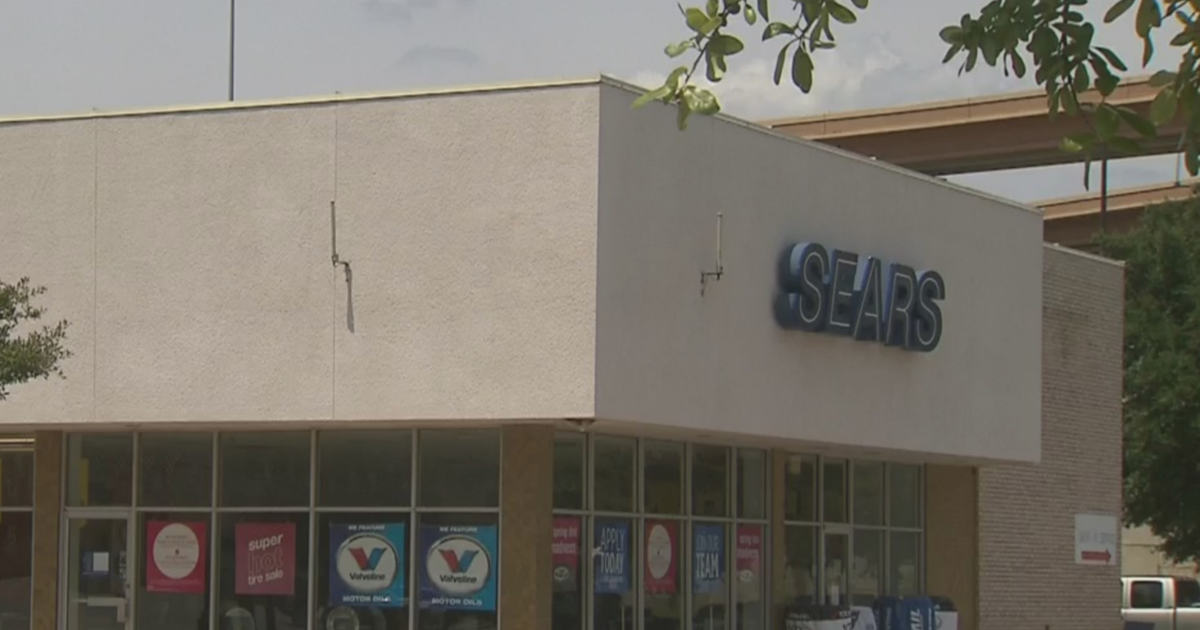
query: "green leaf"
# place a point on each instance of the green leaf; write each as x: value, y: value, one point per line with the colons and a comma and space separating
x: 1162, y: 78
x: 1125, y: 145
x: 1018, y: 64
x: 1185, y: 38
x: 775, y: 29
x: 726, y: 44
x: 780, y: 62
x: 1149, y: 17
x: 802, y: 70
x: 991, y: 51
x: 713, y: 8
x: 656, y: 94
x: 696, y: 20
x: 1147, y: 51
x: 674, y: 77
x: 1192, y: 159
x: 674, y: 50
x: 860, y: 4
x: 714, y: 66
x: 706, y: 103
x: 750, y: 15
x: 951, y: 34
x: 1135, y: 122
x: 841, y: 13
x: 951, y: 53
x: 1107, y: 121
x: 1163, y: 108
x: 1106, y: 84
x: 1082, y: 80
x: 682, y: 113
x: 1076, y: 143
x: 1112, y: 58
x: 1117, y: 10
x: 764, y: 10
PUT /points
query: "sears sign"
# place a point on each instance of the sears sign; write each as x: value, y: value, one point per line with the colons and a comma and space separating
x: 839, y: 293
x: 368, y: 565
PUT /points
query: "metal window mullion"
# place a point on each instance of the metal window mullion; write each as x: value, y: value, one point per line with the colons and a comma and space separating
x: 412, y: 531
x: 213, y: 534
x: 313, y: 560
x: 500, y: 525
x: 132, y: 559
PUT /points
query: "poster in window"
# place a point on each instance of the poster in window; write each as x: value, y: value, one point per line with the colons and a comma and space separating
x: 265, y: 559
x: 175, y: 557
x: 459, y: 567
x: 662, y: 560
x: 708, y: 558
x: 612, y: 557
x: 749, y: 553
x: 366, y: 565
x: 566, y: 553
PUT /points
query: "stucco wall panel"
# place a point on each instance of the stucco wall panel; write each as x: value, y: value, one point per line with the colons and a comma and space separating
x: 472, y: 240
x: 719, y: 362
x: 47, y: 233
x: 214, y: 284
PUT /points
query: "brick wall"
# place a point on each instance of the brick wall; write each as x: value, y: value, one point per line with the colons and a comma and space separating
x: 1028, y: 579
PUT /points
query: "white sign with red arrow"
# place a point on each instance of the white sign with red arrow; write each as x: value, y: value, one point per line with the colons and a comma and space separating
x: 1096, y: 539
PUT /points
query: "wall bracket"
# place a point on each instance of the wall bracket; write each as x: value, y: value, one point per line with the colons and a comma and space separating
x: 719, y: 270
x: 337, y: 260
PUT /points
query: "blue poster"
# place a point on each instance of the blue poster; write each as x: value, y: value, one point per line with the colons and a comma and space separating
x: 366, y: 565
x: 708, y: 558
x: 612, y: 557
x: 459, y: 565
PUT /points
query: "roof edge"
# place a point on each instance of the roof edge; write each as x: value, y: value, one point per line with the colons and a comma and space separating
x: 1082, y: 254
x: 302, y: 101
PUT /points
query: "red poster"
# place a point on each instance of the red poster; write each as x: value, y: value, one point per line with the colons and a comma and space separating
x: 175, y: 557
x: 566, y: 552
x: 266, y: 559
x: 749, y: 552
x: 662, y: 557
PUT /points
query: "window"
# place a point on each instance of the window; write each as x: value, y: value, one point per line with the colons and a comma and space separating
x: 265, y: 469
x: 833, y: 492
x: 569, y: 463
x: 1187, y: 593
x: 460, y: 469
x: 364, y: 469
x: 663, y: 580
x: 263, y: 569
x: 613, y: 474
x: 175, y: 469
x: 868, y: 493
x: 904, y: 492
x: 567, y: 600
x: 710, y: 481
x: 800, y: 489
x: 100, y: 472
x: 904, y: 562
x: 866, y: 578
x: 16, y: 531
x: 612, y: 579
x: 168, y: 597
x: 800, y: 565
x: 1146, y: 595
x: 752, y: 484
x: 662, y: 478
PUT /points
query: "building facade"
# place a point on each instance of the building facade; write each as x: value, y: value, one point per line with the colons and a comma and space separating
x: 514, y: 358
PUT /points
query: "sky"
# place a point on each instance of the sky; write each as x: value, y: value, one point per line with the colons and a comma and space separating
x: 79, y: 55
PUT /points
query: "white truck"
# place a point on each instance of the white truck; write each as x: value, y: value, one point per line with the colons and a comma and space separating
x: 1160, y: 603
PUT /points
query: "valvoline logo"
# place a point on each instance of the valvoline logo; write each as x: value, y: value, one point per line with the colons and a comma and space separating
x: 367, y: 563
x: 458, y: 565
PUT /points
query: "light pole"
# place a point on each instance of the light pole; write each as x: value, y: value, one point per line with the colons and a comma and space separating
x: 232, y: 25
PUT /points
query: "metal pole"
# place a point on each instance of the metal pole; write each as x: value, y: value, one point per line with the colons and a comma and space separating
x: 232, y: 24
x: 1104, y: 193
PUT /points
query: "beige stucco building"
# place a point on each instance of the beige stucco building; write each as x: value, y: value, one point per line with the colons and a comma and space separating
x: 524, y: 349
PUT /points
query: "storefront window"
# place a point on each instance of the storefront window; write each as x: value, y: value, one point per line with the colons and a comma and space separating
x: 466, y: 547
x: 362, y: 576
x: 100, y: 470
x: 662, y: 478
x: 800, y: 568
x: 800, y: 489
x: 364, y: 469
x: 749, y: 576
x: 751, y: 484
x: 904, y: 488
x: 460, y: 468
x: 710, y: 481
x: 904, y: 562
x: 662, y: 578
x: 264, y: 569
x: 614, y: 474
x: 868, y: 493
x: 866, y: 582
x: 175, y: 469
x: 710, y: 575
x: 567, y: 605
x: 612, y: 581
x: 265, y: 469
x: 833, y: 492
x: 173, y: 575
x: 568, y: 471
x: 16, y: 532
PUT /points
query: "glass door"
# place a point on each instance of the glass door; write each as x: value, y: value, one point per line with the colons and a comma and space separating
x: 98, y: 580
x: 836, y: 557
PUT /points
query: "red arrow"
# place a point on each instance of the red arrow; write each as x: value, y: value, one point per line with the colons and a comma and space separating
x: 1097, y: 556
